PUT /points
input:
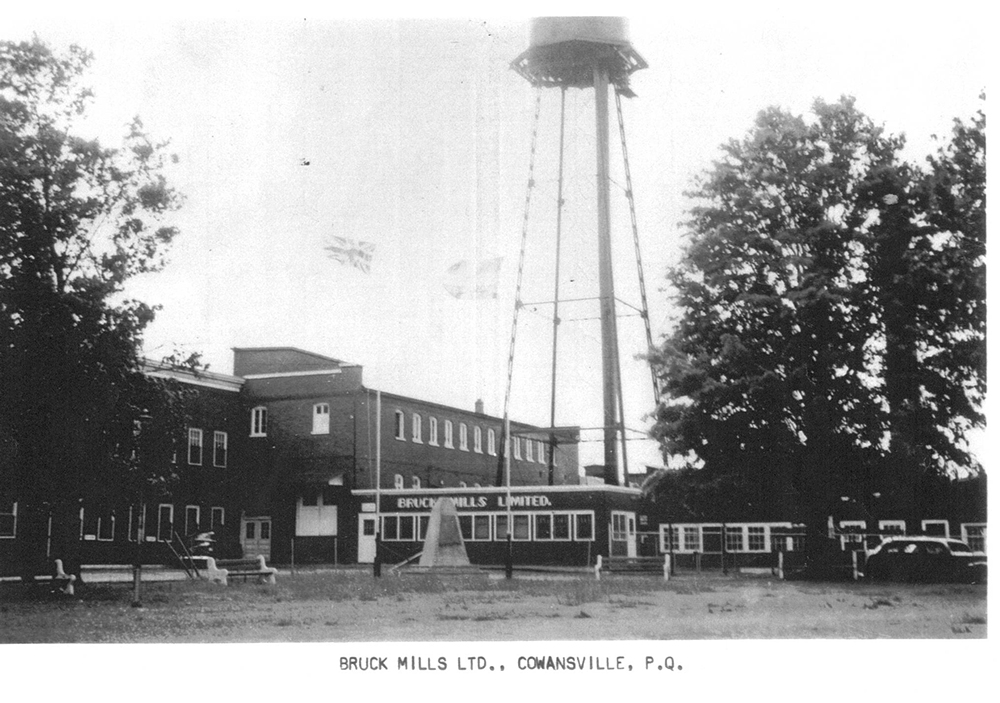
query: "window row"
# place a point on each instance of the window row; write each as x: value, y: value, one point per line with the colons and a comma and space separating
x: 856, y: 534
x: 531, y: 448
x: 102, y: 524
x: 712, y: 539
x: 195, y: 448
x: 487, y: 527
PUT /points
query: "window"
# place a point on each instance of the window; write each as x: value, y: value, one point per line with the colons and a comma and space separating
x: 192, y: 520
x: 265, y: 529
x: 406, y: 530
x: 415, y: 482
x: 584, y: 528
x: 756, y: 539
x: 517, y: 447
x: 220, y: 449
x: 321, y: 418
x: 398, y: 481
x: 692, y: 539
x: 522, y: 527
x: 462, y: 484
x: 529, y: 454
x: 218, y: 518
x: 543, y: 527
x: 974, y: 535
x: 136, y: 522
x: 734, y: 539
x: 400, y: 426
x: 165, y: 522
x: 491, y: 442
x: 448, y: 435
x: 97, y: 524
x: 8, y: 519
x: 316, y: 514
x: 194, y: 446
x: 251, y: 530
x: 500, y: 528
x: 258, y: 422
x: 477, y: 439
x: 463, y: 437
x: 935, y: 528
x: 432, y: 431
x: 417, y: 429
x: 897, y: 527
x: 560, y: 526
x: 390, y: 527
x: 852, y: 534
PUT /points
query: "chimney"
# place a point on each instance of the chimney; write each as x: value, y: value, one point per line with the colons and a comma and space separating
x: 479, y: 406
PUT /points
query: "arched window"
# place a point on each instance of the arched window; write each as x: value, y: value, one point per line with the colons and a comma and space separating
x: 417, y: 428
x: 529, y: 449
x: 463, y: 437
x: 400, y: 425
x: 477, y: 439
x: 491, y: 442
x: 517, y: 447
x: 398, y: 481
x: 432, y: 431
x: 258, y: 421
x: 448, y: 435
x: 416, y: 482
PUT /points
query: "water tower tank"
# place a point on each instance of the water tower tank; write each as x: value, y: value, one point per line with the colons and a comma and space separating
x: 562, y: 51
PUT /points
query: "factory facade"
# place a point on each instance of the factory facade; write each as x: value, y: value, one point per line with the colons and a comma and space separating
x: 285, y: 458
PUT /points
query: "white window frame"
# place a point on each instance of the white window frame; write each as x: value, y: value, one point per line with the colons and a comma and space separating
x: 398, y: 481
x: 576, y: 526
x: 477, y: 439
x: 517, y: 447
x: 885, y: 524
x: 415, y: 482
x: 217, y: 524
x: 195, y: 432
x: 529, y: 452
x: 463, y: 437
x: 13, y: 515
x: 491, y: 442
x: 855, y: 538
x: 197, y: 519
x: 449, y: 434
x: 321, y: 418
x: 225, y: 448
x: 159, y: 509
x: 965, y: 535
x: 947, y: 526
x: 258, y: 421
x: 432, y: 431
x: 400, y: 425
x: 416, y: 428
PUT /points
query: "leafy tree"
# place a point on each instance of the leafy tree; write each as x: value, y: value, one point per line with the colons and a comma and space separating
x: 825, y: 294
x: 77, y: 220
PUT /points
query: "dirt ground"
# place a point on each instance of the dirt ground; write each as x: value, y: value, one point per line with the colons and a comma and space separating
x: 351, y: 606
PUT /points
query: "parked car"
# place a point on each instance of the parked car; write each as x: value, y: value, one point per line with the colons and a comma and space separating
x: 925, y: 559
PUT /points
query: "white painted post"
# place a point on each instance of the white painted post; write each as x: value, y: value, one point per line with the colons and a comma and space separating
x: 781, y: 566
x: 597, y: 567
x: 666, y: 567
x: 854, y: 563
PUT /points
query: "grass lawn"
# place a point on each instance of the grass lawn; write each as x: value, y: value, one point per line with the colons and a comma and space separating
x: 351, y: 606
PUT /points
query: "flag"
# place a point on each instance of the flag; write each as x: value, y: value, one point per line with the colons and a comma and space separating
x: 468, y: 281
x: 351, y: 252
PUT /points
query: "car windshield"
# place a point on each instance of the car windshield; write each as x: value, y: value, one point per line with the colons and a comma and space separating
x: 959, y: 546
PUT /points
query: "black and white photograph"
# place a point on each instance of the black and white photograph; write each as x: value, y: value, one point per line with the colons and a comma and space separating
x: 601, y: 348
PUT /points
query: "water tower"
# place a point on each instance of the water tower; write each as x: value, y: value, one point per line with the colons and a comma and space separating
x: 585, y: 53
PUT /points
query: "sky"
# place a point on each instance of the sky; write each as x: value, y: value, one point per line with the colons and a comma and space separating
x: 414, y: 134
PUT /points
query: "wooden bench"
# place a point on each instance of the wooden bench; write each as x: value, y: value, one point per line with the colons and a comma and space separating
x: 221, y: 570
x: 634, y: 565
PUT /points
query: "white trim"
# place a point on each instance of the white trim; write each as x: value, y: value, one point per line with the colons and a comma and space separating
x: 197, y: 509
x: 206, y: 379
x: 213, y: 525
x: 320, y: 420
x: 947, y: 526
x: 291, y: 374
x: 432, y: 431
x: 192, y: 433
x: 225, y: 448
x: 258, y: 429
x: 13, y: 513
x: 159, y: 507
x: 416, y: 428
x: 604, y: 488
x: 965, y: 534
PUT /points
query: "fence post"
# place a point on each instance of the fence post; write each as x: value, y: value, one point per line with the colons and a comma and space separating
x: 666, y: 567
x: 854, y: 563
x: 781, y: 566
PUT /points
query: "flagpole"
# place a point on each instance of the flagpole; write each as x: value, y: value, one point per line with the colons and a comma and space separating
x: 377, y: 565
x: 509, y: 567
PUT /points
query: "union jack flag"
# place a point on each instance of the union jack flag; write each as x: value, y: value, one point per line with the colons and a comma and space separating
x: 352, y: 252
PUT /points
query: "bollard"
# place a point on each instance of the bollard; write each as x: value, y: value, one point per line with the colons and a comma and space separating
x: 666, y: 567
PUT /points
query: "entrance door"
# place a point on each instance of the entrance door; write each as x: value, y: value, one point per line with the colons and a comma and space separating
x: 623, y: 534
x: 366, y: 538
x: 255, y: 537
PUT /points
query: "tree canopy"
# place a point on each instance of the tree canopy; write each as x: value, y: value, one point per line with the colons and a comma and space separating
x: 831, y: 339
x: 77, y: 220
